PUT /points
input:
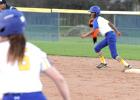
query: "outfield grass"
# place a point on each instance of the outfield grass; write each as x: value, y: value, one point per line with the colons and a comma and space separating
x: 83, y: 47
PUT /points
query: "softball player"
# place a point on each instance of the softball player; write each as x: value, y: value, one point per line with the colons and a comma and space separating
x: 21, y: 62
x: 109, y: 31
x: 4, y: 5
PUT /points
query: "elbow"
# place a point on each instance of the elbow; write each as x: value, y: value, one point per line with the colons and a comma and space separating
x: 110, y: 24
x: 60, y: 79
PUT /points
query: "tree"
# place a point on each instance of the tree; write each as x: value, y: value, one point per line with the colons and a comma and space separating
x: 78, y: 4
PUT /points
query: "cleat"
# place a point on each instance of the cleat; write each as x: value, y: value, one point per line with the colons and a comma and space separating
x: 127, y: 68
x: 101, y: 65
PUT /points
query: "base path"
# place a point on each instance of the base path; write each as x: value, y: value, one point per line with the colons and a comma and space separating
x: 86, y: 82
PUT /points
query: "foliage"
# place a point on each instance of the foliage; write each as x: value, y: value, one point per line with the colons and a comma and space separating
x: 78, y: 4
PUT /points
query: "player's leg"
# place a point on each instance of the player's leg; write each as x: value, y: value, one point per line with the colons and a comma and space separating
x: 123, y: 62
x: 97, y: 49
x: 113, y: 50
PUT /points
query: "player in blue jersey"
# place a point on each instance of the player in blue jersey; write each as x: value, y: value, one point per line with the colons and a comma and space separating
x: 21, y: 62
x: 4, y: 5
x: 109, y: 31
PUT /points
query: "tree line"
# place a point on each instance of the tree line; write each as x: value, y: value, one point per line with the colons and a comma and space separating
x: 76, y: 4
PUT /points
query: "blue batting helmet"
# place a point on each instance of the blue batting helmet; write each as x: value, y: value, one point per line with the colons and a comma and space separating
x: 95, y: 9
x: 2, y: 1
x: 12, y: 22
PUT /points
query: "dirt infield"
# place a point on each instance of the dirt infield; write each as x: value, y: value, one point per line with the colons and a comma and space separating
x: 86, y: 82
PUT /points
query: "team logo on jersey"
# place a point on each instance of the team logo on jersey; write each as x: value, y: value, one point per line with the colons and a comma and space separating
x: 22, y: 18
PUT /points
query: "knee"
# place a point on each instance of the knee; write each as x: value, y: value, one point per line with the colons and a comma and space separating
x: 96, y: 49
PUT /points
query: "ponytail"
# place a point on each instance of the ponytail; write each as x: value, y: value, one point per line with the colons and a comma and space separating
x: 17, y: 48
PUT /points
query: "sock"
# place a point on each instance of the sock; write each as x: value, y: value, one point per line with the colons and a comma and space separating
x: 122, y: 61
x: 102, y: 59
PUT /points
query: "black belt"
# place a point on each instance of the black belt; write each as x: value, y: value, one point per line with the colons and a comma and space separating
x: 13, y: 94
x: 18, y: 94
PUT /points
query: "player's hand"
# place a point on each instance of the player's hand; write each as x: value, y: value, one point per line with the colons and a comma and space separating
x: 82, y: 35
x: 119, y: 33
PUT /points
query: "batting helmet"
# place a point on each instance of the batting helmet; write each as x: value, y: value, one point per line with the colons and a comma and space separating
x: 2, y: 1
x: 95, y: 9
x: 12, y: 22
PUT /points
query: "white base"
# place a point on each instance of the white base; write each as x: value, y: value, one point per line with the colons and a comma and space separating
x: 132, y: 71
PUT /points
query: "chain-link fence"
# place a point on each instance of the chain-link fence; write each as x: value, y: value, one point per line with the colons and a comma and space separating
x: 54, y: 26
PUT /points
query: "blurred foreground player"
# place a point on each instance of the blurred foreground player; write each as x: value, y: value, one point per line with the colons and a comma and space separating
x: 21, y: 62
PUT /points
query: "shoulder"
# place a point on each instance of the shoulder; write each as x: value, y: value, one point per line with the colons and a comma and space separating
x: 33, y: 49
x: 96, y: 20
x: 32, y: 46
x: 102, y: 19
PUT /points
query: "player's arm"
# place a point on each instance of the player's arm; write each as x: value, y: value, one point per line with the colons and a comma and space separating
x: 88, y: 34
x: 93, y: 33
x: 90, y: 24
x: 114, y: 28
x: 59, y: 81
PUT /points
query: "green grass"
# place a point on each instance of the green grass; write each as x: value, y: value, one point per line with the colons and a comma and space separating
x: 84, y: 47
